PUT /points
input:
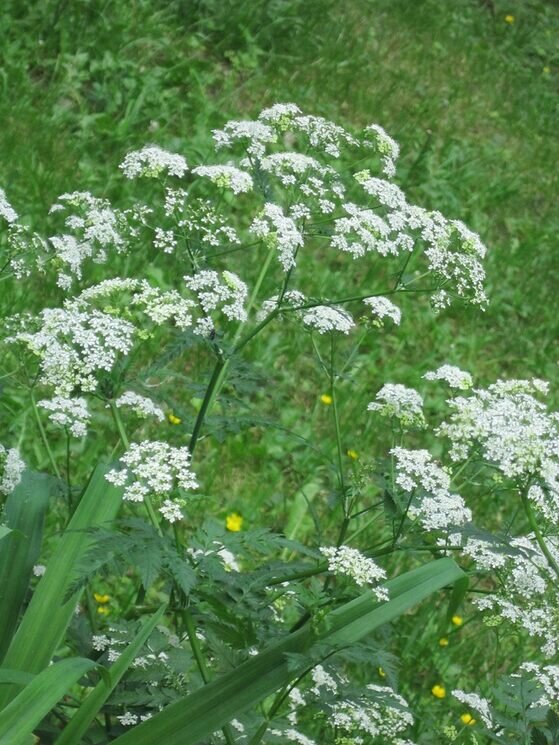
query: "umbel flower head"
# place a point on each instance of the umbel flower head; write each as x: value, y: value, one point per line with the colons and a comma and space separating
x: 155, y: 469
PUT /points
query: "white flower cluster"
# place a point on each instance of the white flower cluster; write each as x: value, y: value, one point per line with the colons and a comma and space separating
x: 280, y: 232
x: 152, y: 161
x: 383, y: 714
x: 74, y: 345
x: 387, y: 147
x: 476, y: 703
x: 227, y: 558
x: 164, y: 240
x: 70, y: 413
x: 515, y: 432
x: 204, y: 224
x: 11, y: 468
x: 362, y: 231
x: 433, y: 504
x: 402, y: 403
x: 153, y: 468
x: 252, y: 134
x: 382, y: 307
x: 140, y: 405
x: 226, y: 177
x: 228, y: 295
x: 7, y: 212
x: 326, y: 318
x: 98, y: 227
x: 454, y: 376
x: 351, y: 563
x: 291, y: 298
x: 548, y: 678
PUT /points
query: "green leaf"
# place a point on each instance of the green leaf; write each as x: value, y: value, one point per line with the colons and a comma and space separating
x: 4, y: 531
x: 194, y: 717
x: 89, y: 709
x: 48, y: 614
x: 538, y: 737
x: 17, y: 677
x: 19, y: 550
x: 25, y: 712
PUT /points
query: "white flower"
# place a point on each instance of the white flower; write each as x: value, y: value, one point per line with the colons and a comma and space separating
x: 128, y: 719
x: 395, y: 400
x: 74, y: 345
x: 279, y: 231
x: 227, y: 177
x: 351, y: 563
x: 151, y: 161
x: 383, y: 714
x: 436, y: 508
x: 454, y: 376
x: 7, y: 212
x: 280, y: 114
x: 171, y: 511
x: 548, y: 677
x: 322, y: 679
x: 292, y: 298
x: 11, y: 468
x: 141, y: 405
x: 386, y: 146
x: 165, y: 240
x: 382, y: 307
x: 253, y: 135
x: 325, y: 318
x: 153, y: 468
x: 228, y: 295
x: 100, y: 643
x: 70, y: 413
x: 39, y: 570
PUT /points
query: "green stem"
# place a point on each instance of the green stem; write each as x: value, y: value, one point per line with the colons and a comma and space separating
x: 337, y: 424
x: 44, y: 436
x: 200, y: 662
x: 222, y: 365
x: 535, y: 527
x: 126, y: 444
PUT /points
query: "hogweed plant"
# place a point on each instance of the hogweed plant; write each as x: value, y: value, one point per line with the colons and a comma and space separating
x: 131, y: 614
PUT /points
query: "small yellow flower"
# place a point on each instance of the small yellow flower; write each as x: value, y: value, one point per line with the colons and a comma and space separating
x: 326, y: 399
x: 103, y: 599
x: 103, y: 610
x: 443, y: 642
x: 174, y: 419
x: 546, y: 70
x: 381, y: 672
x: 234, y: 522
x: 457, y: 620
x: 467, y: 719
x: 353, y: 454
x: 438, y: 691
x: 509, y: 19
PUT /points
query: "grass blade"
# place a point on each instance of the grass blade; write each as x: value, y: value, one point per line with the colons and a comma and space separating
x: 197, y: 715
x: 47, y: 616
x: 25, y: 712
x: 19, y: 550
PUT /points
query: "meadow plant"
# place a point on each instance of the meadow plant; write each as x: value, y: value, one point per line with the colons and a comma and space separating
x: 252, y: 635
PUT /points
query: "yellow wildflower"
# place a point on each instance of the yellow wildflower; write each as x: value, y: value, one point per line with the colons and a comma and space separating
x: 353, y: 454
x: 509, y: 19
x: 381, y: 672
x: 234, y: 522
x: 103, y: 599
x: 438, y: 691
x: 174, y: 419
x: 467, y: 719
x: 103, y: 610
x: 326, y: 399
x: 546, y: 70
x: 443, y: 642
x: 457, y: 620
